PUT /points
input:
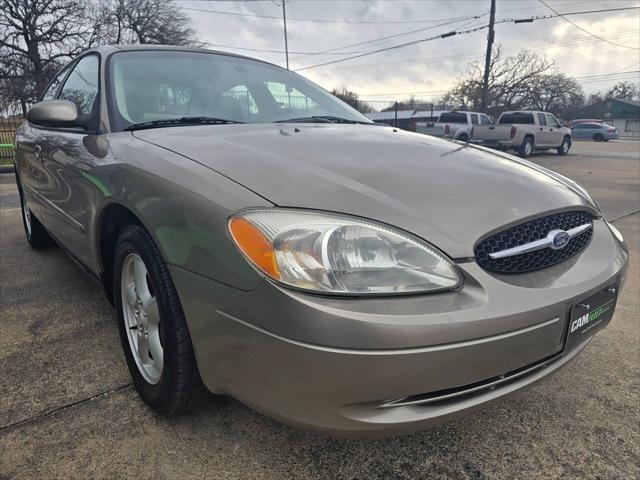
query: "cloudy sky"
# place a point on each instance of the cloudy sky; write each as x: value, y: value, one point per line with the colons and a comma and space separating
x: 321, y: 31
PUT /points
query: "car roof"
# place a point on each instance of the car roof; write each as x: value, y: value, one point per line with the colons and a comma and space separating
x: 523, y: 111
x: 107, y: 50
x: 591, y: 123
x: 463, y: 111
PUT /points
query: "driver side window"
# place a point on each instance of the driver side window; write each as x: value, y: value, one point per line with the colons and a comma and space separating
x: 553, y: 121
x: 81, y: 86
x: 50, y: 93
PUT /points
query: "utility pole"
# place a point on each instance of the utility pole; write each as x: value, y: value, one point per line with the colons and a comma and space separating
x: 487, y: 62
x: 284, y: 18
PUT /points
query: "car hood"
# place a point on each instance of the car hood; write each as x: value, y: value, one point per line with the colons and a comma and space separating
x: 449, y: 194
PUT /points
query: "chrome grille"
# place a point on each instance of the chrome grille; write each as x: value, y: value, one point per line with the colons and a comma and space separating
x: 532, y: 231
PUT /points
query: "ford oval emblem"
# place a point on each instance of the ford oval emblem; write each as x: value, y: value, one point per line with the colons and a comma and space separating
x: 559, y: 239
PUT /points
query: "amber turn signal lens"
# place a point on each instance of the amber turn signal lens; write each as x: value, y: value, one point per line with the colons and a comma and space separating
x: 254, y: 245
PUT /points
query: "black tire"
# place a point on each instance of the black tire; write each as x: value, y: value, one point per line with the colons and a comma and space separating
x: 526, y: 148
x: 564, y: 147
x: 464, y: 138
x: 598, y: 137
x: 179, y: 388
x: 37, y: 236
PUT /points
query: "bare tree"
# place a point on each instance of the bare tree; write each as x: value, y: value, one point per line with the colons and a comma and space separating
x: 554, y: 93
x: 626, y: 90
x: 411, y: 103
x: 145, y: 21
x: 351, y: 98
x: 510, y: 80
x: 37, y: 35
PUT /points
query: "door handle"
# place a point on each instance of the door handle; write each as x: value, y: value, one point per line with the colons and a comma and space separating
x: 540, y: 128
x: 37, y: 152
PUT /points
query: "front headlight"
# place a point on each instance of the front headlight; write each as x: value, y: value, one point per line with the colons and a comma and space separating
x: 339, y: 254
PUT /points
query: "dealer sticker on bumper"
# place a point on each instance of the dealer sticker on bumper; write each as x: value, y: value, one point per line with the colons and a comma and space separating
x: 590, y: 315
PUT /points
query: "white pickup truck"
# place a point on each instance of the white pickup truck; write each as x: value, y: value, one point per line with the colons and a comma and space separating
x: 524, y: 131
x: 456, y: 125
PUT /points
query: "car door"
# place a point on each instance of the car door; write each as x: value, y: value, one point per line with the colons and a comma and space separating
x: 555, y: 131
x: 33, y: 176
x: 542, y: 135
x: 580, y: 131
x: 65, y: 158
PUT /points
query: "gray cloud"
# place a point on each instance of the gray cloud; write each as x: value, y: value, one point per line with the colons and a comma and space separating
x: 427, y: 67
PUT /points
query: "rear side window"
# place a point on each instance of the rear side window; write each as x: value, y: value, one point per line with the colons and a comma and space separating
x: 474, y: 119
x: 81, y: 86
x: 453, y: 117
x: 522, y: 118
x: 542, y: 119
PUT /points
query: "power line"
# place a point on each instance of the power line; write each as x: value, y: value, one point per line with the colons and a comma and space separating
x: 389, y: 37
x: 316, y: 20
x: 278, y: 51
x: 567, y: 14
x: 450, y: 34
x: 401, y: 45
x: 563, y: 16
x: 608, y: 74
x: 332, y: 50
x: 581, y: 41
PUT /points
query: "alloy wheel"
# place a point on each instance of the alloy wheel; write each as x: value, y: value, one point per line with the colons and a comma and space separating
x: 141, y: 318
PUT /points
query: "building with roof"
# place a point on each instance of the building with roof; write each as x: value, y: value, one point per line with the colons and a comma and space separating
x: 620, y: 113
x: 405, y: 119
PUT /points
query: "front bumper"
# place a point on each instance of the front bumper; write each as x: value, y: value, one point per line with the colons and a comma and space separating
x: 334, y: 364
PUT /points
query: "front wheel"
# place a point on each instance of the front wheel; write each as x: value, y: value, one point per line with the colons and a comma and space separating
x: 526, y: 148
x: 563, y: 149
x: 153, y: 328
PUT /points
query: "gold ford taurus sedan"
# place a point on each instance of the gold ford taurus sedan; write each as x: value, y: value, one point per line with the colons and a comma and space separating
x: 261, y: 239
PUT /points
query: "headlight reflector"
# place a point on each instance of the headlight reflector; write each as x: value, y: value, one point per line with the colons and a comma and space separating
x: 339, y: 254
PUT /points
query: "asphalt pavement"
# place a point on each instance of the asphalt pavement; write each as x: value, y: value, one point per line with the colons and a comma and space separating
x: 68, y: 409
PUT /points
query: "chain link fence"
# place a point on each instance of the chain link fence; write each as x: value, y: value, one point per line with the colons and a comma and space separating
x: 399, y: 114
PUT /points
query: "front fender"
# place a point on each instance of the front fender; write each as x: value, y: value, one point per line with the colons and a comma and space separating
x: 183, y: 204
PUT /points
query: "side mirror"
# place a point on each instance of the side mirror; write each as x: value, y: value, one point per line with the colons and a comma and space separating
x: 55, y: 114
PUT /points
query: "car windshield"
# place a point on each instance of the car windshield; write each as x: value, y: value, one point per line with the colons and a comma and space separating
x: 148, y: 86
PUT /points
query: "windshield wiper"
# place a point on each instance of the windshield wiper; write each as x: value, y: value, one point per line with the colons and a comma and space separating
x: 321, y: 119
x: 172, y: 122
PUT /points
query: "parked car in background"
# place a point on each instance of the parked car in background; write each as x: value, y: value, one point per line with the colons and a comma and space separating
x: 456, y: 125
x: 269, y: 250
x: 600, y: 132
x: 525, y: 132
x: 575, y: 122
